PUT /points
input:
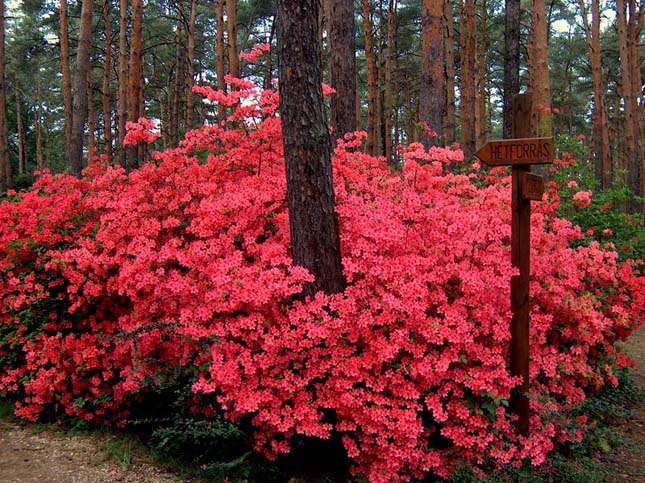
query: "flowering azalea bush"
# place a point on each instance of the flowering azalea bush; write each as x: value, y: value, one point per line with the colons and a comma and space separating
x: 119, y: 282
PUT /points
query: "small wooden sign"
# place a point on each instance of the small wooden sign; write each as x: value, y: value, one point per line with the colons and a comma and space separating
x: 511, y: 152
x: 532, y: 187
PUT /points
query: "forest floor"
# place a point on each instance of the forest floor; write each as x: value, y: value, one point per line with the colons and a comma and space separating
x: 34, y: 453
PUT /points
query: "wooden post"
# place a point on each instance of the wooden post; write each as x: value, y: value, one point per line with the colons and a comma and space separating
x: 520, y: 258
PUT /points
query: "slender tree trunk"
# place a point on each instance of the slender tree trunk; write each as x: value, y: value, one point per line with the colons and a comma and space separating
x: 388, y: 108
x: 315, y: 242
x: 23, y: 153
x: 468, y: 84
x: 601, y: 151
x: 40, y: 162
x: 5, y: 165
x: 372, y: 113
x: 221, y: 84
x: 511, y: 62
x: 190, y: 98
x: 107, y: 67
x: 176, y: 98
x: 432, y: 72
x: 359, y: 110
x: 66, y: 72
x: 626, y: 84
x: 636, y: 166
x: 135, y: 77
x: 123, y: 79
x: 343, y: 66
x: 231, y: 23
x: 539, y: 70
x: 449, y: 126
x: 74, y: 152
x: 91, y: 124
x: 483, y: 70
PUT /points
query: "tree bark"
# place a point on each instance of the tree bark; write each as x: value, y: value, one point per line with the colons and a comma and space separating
x: 343, y: 66
x: 511, y: 62
x: 483, y: 70
x: 66, y: 72
x: 40, y: 162
x: 468, y: 84
x: 221, y: 69
x: 74, y: 152
x: 539, y: 71
x: 190, y: 74
x: 231, y: 24
x: 107, y: 67
x: 135, y: 77
x: 373, y: 134
x: 388, y: 107
x: 601, y: 149
x: 5, y: 165
x: 91, y: 121
x: 123, y: 79
x: 23, y: 153
x: 636, y: 166
x: 432, y: 62
x: 315, y: 242
x: 449, y: 126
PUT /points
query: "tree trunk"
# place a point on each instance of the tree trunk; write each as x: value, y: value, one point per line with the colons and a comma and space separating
x: 221, y: 69
x: 123, y: 79
x: 636, y: 166
x: 91, y: 124
x: 231, y: 23
x: 74, y: 152
x: 66, y: 72
x: 432, y: 61
x: 190, y: 98
x: 135, y: 77
x: 387, y: 108
x: 5, y: 165
x: 343, y: 66
x: 372, y: 113
x: 468, y: 84
x: 107, y: 67
x: 176, y: 97
x: 626, y: 84
x: 23, y: 153
x: 601, y: 150
x: 315, y: 242
x: 483, y: 70
x: 40, y: 162
x: 539, y: 71
x: 511, y: 62
x: 449, y: 125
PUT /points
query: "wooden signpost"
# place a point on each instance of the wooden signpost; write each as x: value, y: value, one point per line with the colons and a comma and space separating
x: 520, y: 153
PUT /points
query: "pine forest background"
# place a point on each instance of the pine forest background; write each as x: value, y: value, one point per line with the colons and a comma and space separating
x: 423, y: 67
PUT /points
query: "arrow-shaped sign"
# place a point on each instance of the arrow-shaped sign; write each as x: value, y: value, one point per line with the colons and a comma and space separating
x: 509, y: 152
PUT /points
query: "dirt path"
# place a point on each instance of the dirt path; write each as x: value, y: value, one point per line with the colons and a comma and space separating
x: 628, y: 461
x: 37, y: 454
x: 29, y: 454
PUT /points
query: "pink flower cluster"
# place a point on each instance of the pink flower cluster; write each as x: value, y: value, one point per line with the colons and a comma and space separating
x: 116, y: 281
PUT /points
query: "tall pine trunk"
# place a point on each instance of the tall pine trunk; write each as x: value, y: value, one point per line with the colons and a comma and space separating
x: 469, y: 84
x: 343, y: 66
x: 123, y: 79
x: 636, y: 166
x: 221, y: 64
x: 601, y: 149
x: 105, y: 88
x: 190, y: 73
x: 432, y: 62
x: 23, y: 153
x: 74, y: 151
x: 511, y: 62
x: 449, y: 123
x: 135, y: 77
x: 231, y: 24
x: 539, y: 71
x: 65, y: 70
x: 482, y: 65
x: 388, y: 107
x: 373, y: 134
x: 315, y: 242
x: 5, y: 165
